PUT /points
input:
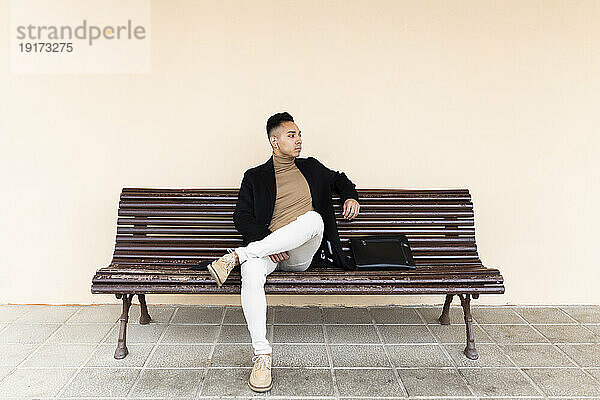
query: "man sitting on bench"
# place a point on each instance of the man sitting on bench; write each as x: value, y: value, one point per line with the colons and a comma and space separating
x: 284, y: 210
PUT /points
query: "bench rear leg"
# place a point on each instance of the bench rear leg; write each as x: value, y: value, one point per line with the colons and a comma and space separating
x: 144, y: 316
x: 470, y: 351
x: 445, y: 317
x: 121, y: 351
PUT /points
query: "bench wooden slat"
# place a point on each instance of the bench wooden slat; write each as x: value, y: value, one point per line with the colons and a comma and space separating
x: 191, y: 256
x: 431, y: 269
x: 216, y: 231
x: 197, y: 211
x: 216, y: 249
x: 176, y: 225
x: 423, y: 269
x: 425, y: 206
x: 303, y: 279
x: 221, y: 241
x: 416, y: 241
x: 158, y: 262
x: 293, y: 289
x: 224, y: 217
x: 186, y: 247
x: 377, y: 192
x: 373, y: 204
x: 409, y: 232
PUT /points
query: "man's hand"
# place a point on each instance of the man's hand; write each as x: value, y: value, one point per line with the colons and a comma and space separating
x: 351, y: 208
x: 279, y: 257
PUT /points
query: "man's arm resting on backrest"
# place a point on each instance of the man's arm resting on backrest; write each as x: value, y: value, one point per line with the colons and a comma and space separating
x: 243, y: 216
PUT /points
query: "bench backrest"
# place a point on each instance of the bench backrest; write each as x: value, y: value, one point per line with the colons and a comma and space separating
x: 171, y: 228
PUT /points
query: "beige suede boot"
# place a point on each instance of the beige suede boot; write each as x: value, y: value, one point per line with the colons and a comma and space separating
x: 220, y: 268
x: 260, y: 377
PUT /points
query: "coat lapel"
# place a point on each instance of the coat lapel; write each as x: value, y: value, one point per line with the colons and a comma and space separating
x: 301, y: 165
x: 268, y: 175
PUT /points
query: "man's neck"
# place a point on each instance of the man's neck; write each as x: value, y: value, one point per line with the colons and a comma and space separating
x: 283, y: 156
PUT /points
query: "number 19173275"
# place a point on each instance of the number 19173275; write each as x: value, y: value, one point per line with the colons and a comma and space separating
x: 46, y: 47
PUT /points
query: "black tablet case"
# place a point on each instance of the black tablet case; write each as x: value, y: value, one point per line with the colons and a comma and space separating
x: 382, y: 252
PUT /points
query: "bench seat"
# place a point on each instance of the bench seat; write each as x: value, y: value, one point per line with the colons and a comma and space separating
x: 427, y: 280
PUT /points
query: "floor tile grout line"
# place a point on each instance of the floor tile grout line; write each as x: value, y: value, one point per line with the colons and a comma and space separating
x: 583, y: 326
x: 336, y: 389
x: 35, y: 350
x: 330, y: 323
x: 274, y: 311
x: 575, y: 322
x: 38, y: 345
x: 14, y: 322
x: 510, y: 308
x: 200, y: 388
x: 74, y: 315
x: 499, y: 345
x: 575, y: 319
x: 568, y: 315
x: 152, y: 351
x: 477, y: 324
x: 523, y: 373
x: 96, y: 347
x: 29, y: 311
x: 387, y: 355
x: 493, y: 341
x: 331, y: 344
x: 574, y: 367
x: 577, y: 364
x: 589, y: 375
x: 270, y: 339
x: 498, y: 342
x: 554, y: 345
x: 446, y: 353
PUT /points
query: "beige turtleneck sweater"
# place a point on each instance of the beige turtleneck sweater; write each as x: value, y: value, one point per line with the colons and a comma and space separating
x: 293, y: 193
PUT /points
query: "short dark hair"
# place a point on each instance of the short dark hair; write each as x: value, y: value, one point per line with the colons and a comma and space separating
x: 276, y: 119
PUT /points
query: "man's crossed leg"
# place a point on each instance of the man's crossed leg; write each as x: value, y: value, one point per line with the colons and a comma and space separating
x: 287, y: 238
x: 301, y: 239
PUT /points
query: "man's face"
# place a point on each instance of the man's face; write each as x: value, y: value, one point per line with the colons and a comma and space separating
x: 289, y: 139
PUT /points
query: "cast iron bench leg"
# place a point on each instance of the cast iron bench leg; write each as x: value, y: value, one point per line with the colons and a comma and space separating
x: 144, y: 316
x: 445, y: 317
x: 121, y: 351
x: 470, y: 351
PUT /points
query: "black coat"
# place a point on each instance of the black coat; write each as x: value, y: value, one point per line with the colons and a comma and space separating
x: 256, y: 202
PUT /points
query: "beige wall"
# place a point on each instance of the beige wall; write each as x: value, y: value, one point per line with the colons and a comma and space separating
x: 499, y: 97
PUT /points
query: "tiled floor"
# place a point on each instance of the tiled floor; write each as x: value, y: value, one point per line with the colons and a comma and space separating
x: 204, y: 352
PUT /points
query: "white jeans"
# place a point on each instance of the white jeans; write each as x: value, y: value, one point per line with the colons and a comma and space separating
x: 301, y: 239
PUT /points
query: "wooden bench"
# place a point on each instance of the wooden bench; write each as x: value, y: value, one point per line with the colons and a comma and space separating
x: 162, y: 233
